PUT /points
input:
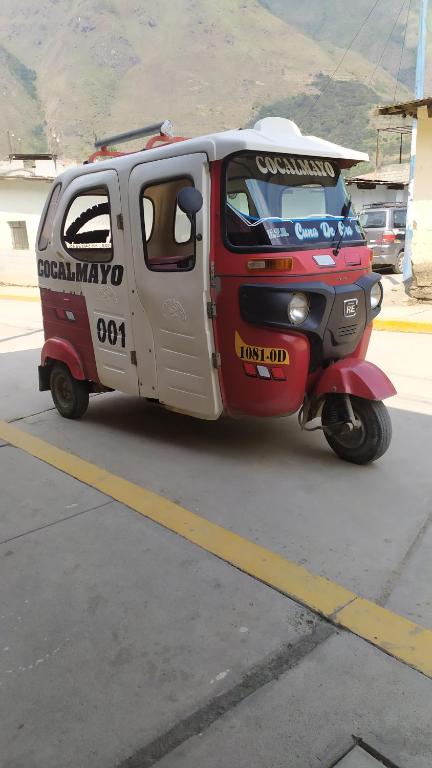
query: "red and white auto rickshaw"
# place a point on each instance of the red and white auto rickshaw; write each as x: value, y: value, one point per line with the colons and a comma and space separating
x: 221, y: 274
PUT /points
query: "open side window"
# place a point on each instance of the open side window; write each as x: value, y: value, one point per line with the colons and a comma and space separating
x: 86, y: 229
x: 46, y: 229
x: 169, y: 245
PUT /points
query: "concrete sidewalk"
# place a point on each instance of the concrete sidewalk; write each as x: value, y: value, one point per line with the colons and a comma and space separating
x: 19, y: 293
x: 408, y: 318
x: 401, y: 313
x: 123, y: 645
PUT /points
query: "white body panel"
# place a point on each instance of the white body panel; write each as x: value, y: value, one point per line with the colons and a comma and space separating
x: 174, y: 304
x: 104, y: 299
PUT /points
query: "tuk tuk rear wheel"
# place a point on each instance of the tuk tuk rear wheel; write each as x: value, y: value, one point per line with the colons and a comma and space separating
x: 366, y: 443
x: 71, y: 397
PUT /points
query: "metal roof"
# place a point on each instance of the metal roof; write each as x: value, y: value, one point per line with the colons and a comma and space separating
x: 387, y: 175
x: 30, y: 156
x: 407, y: 108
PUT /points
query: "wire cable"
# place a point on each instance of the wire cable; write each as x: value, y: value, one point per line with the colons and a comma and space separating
x: 402, y: 51
x: 369, y: 82
x: 363, y: 24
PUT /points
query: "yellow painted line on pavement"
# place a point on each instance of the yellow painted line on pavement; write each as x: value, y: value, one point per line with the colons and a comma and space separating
x: 18, y: 297
x: 394, y: 634
x: 402, y: 326
x: 397, y: 636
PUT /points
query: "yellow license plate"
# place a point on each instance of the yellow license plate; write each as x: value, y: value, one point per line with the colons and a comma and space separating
x: 253, y: 354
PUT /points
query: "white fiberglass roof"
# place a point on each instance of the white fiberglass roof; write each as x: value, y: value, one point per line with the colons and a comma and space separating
x: 277, y: 134
x: 271, y: 134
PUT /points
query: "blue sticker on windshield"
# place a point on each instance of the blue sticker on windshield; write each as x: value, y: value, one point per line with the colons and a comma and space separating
x: 300, y: 230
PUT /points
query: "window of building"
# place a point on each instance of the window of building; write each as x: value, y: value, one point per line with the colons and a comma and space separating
x: 46, y: 231
x: 86, y: 229
x: 19, y: 235
x: 167, y: 231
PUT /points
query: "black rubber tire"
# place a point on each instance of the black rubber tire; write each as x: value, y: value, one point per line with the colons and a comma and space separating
x: 398, y: 265
x: 361, y: 446
x: 71, y: 397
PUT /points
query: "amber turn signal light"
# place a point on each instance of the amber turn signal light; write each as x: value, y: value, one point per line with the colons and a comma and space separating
x: 281, y: 265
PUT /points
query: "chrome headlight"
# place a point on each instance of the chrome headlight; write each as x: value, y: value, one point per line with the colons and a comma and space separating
x: 298, y: 308
x: 376, y: 295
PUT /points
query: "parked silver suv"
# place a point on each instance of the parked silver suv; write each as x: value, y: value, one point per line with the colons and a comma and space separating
x: 384, y: 226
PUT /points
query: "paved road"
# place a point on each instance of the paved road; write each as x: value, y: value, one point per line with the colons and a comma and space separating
x: 123, y: 640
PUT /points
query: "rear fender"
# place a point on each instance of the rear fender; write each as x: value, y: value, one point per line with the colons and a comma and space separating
x: 352, y: 376
x: 60, y: 350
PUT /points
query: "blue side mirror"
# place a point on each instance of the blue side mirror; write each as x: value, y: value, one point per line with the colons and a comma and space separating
x: 190, y: 200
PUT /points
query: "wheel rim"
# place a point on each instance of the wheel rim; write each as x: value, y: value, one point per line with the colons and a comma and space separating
x: 399, y: 263
x: 353, y: 439
x: 63, y: 389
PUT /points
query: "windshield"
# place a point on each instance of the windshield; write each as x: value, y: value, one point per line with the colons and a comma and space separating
x: 373, y: 219
x: 286, y: 202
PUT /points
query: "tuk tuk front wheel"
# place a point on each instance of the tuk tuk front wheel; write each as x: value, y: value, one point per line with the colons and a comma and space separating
x: 71, y: 397
x: 366, y: 443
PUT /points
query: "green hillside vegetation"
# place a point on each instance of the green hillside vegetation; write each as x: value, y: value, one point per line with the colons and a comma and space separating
x: 76, y: 69
x: 20, y: 110
x: 333, y: 21
x: 343, y: 114
x: 25, y: 75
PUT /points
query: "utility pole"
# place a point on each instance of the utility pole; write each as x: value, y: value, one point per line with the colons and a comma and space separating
x: 9, y: 136
x: 419, y: 94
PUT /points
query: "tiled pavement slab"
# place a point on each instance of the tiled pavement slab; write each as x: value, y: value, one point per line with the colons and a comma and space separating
x: 307, y: 717
x: 358, y: 758
x: 113, y: 629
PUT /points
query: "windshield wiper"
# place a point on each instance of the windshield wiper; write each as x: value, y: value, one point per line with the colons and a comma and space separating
x: 344, y: 213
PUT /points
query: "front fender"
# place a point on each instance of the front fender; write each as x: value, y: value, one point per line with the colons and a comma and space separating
x: 64, y: 352
x: 352, y: 376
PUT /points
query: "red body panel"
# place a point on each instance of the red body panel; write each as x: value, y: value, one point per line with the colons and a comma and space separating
x: 352, y: 376
x: 361, y: 349
x: 258, y: 397
x: 69, y: 334
x: 255, y: 396
x: 64, y: 352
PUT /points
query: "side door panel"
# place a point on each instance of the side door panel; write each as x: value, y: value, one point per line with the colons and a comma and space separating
x: 103, y: 285
x: 176, y: 301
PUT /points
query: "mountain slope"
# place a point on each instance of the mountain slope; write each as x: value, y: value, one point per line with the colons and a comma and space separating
x: 102, y: 66
x: 384, y: 30
x: 20, y: 108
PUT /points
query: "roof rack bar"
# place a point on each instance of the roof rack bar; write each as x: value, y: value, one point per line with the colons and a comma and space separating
x: 164, y: 127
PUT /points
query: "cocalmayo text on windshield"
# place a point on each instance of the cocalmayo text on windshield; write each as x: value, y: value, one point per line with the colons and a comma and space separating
x: 298, y: 166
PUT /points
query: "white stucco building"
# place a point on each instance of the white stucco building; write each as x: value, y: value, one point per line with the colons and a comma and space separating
x: 388, y: 184
x: 419, y: 219
x: 25, y: 181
